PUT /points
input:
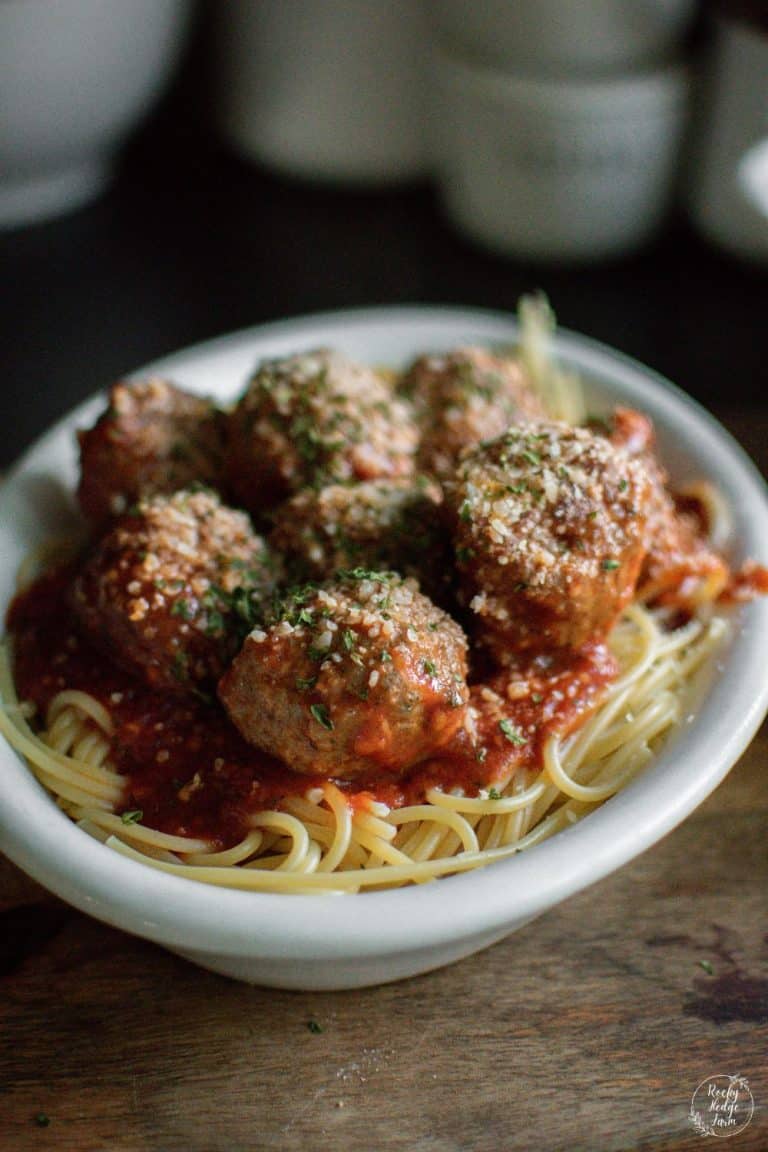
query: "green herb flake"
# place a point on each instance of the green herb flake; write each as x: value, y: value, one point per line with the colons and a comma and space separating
x: 465, y: 512
x: 610, y: 565
x: 304, y: 685
x: 494, y: 794
x: 511, y: 733
x: 429, y: 667
x: 41, y: 1120
x: 532, y: 458
x: 348, y: 639
x: 385, y: 657
x: 536, y: 697
x: 365, y: 574
x: 181, y: 607
x: 705, y: 964
x: 320, y: 713
x: 215, y: 623
x: 314, y: 1027
x: 133, y: 816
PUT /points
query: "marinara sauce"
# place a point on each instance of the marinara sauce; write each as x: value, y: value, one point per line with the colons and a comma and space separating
x: 190, y: 773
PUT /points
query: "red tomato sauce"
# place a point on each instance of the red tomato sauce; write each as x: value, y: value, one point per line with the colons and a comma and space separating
x: 190, y: 773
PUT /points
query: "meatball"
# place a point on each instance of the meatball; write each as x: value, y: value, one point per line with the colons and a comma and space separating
x: 363, y: 673
x: 172, y: 588
x: 680, y: 567
x: 462, y: 398
x: 550, y: 532
x: 389, y: 524
x: 313, y: 419
x: 153, y: 437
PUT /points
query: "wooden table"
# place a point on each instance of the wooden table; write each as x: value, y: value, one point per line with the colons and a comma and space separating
x: 589, y: 1029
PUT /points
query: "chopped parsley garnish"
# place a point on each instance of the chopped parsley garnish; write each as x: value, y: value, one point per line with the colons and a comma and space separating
x: 465, y: 512
x: 511, y: 733
x: 348, y: 639
x: 705, y: 964
x: 181, y: 608
x: 304, y: 685
x: 610, y: 565
x: 365, y: 574
x: 429, y: 667
x: 320, y: 713
x: 531, y: 457
x: 464, y: 554
x: 494, y: 794
x: 132, y: 817
x: 215, y: 622
x: 623, y: 485
x: 314, y: 1027
x: 385, y: 657
x: 536, y: 697
x: 520, y: 586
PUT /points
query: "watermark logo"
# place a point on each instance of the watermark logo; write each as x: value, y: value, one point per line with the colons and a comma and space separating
x: 721, y: 1106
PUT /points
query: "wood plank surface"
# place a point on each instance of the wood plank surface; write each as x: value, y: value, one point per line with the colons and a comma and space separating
x: 588, y: 1029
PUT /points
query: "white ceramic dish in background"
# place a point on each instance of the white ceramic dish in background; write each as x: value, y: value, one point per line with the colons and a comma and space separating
x: 558, y: 36
x: 556, y: 168
x: 324, y: 89
x: 348, y: 941
x: 75, y: 77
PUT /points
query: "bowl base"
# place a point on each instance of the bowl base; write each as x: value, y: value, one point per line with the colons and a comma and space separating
x: 42, y: 196
x: 301, y: 975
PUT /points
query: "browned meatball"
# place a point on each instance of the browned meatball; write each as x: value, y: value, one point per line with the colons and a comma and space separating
x: 313, y: 419
x: 361, y: 674
x: 389, y: 524
x: 462, y: 398
x: 153, y: 437
x: 550, y: 533
x: 170, y: 590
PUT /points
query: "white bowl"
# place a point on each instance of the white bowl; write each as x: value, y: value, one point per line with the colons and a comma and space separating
x: 558, y: 36
x: 326, y: 942
x: 556, y: 167
x: 75, y: 78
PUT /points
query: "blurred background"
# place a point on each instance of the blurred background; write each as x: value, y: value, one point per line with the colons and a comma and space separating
x: 172, y: 170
